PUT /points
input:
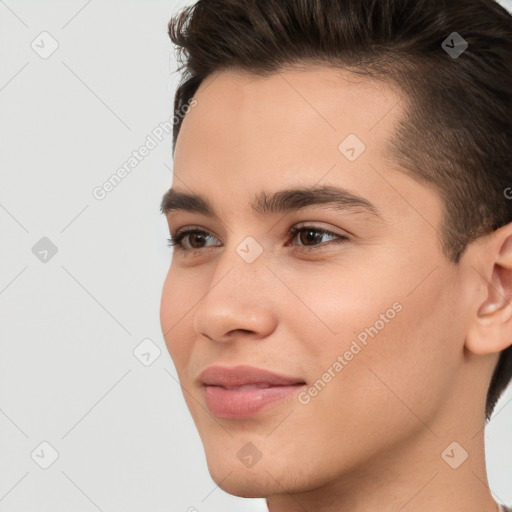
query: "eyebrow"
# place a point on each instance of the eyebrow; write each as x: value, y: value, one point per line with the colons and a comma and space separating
x: 282, y: 201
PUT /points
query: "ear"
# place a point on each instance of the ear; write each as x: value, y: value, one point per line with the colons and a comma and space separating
x: 491, y: 327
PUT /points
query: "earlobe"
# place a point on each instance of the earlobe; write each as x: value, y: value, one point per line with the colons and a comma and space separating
x: 491, y: 328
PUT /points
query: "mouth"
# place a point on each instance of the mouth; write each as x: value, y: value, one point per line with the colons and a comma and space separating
x: 243, y: 391
x: 244, y: 375
x: 246, y: 401
x: 248, y: 386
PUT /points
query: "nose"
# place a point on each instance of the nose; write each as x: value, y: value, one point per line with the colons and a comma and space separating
x: 239, y: 302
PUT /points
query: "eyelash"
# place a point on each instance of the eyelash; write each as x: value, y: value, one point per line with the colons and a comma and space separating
x: 175, y: 240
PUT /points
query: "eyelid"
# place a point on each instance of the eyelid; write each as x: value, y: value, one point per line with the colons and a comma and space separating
x: 193, y: 228
x: 311, y: 225
x: 298, y: 225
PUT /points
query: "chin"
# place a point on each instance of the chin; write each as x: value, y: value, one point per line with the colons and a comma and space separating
x: 271, y: 475
x: 245, y: 483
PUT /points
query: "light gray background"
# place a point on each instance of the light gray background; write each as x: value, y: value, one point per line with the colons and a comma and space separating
x: 69, y: 325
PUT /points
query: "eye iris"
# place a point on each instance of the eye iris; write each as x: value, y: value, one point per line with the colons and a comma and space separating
x: 316, y: 235
x: 195, y: 236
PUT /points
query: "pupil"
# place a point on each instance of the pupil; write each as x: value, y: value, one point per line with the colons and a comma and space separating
x: 311, y: 235
x: 196, y: 236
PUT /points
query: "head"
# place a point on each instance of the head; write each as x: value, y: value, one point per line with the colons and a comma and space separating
x: 359, y: 118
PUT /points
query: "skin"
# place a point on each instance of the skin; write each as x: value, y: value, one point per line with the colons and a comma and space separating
x: 373, y: 438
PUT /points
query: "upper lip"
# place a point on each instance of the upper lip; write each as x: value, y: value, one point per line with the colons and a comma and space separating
x: 244, y: 375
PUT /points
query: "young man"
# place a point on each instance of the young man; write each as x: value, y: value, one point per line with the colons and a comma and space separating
x: 338, y: 304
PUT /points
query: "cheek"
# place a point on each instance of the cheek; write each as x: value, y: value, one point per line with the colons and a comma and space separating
x: 337, y: 304
x: 167, y: 307
x: 400, y: 352
x: 173, y: 318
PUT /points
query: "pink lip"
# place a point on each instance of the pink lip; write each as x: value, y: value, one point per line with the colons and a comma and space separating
x: 243, y: 375
x: 225, y: 402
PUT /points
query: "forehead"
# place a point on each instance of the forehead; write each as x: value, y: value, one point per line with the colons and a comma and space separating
x: 249, y: 133
x: 325, y: 98
x: 290, y: 116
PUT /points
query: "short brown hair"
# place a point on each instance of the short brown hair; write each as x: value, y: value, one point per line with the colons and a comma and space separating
x: 457, y: 131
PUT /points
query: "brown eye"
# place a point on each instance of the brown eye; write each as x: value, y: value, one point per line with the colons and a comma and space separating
x: 195, y: 239
x: 311, y: 236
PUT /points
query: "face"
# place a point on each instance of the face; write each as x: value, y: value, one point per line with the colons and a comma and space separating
x: 356, y: 308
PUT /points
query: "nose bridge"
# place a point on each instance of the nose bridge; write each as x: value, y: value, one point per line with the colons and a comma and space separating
x: 238, y: 297
x: 244, y: 257
x: 240, y: 271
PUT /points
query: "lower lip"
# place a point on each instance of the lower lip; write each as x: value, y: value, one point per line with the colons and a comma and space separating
x: 243, y: 403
